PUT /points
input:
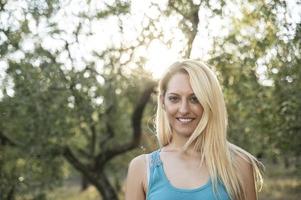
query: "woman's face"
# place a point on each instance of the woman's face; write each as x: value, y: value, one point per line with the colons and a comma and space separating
x: 181, y: 105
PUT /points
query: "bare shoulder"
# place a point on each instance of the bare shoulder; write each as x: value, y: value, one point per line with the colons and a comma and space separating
x: 138, y: 161
x: 245, y: 168
x: 242, y: 159
x: 243, y: 163
x: 137, y: 167
x: 135, y: 184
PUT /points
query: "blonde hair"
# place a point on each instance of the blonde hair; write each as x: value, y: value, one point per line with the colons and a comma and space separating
x: 210, y: 135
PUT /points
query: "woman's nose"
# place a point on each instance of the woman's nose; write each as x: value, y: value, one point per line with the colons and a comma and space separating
x: 184, y: 107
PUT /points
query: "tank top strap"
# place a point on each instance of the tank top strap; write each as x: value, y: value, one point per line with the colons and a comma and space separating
x: 155, y: 160
x: 154, y: 168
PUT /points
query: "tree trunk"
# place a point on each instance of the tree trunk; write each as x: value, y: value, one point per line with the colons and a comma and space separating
x: 96, y: 175
x: 11, y: 194
x: 106, y: 189
x: 84, y: 183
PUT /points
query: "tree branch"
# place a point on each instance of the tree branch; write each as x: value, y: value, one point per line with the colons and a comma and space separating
x: 76, y: 163
x: 137, y: 130
x: 4, y: 140
x: 109, y: 134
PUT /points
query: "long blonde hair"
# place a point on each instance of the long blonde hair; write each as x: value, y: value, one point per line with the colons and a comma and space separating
x: 210, y: 136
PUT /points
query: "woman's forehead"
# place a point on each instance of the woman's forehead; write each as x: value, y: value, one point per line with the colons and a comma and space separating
x: 179, y: 83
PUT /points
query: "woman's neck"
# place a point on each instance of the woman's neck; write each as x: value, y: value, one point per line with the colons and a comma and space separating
x: 177, y: 145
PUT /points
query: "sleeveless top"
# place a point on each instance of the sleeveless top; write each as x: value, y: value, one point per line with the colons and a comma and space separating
x: 159, y: 187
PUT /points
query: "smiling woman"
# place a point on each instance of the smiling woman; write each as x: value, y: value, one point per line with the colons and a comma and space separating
x: 195, y: 160
x: 182, y: 107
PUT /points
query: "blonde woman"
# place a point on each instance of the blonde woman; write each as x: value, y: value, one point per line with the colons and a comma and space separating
x: 195, y: 161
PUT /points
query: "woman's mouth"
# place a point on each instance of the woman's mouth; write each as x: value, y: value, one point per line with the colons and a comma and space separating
x: 184, y: 120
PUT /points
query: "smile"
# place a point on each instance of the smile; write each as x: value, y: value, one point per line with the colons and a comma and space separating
x: 185, y: 120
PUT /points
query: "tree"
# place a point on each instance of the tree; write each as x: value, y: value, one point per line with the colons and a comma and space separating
x: 65, y: 102
x: 285, y: 70
x: 256, y: 55
x: 59, y: 110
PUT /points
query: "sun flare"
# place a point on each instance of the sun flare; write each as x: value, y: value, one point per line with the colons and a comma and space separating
x: 159, y: 58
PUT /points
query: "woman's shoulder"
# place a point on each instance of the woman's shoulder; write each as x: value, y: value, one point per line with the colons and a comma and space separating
x: 248, y: 168
x: 136, y: 177
x: 138, y: 163
x: 240, y: 155
x: 244, y: 162
x: 141, y: 160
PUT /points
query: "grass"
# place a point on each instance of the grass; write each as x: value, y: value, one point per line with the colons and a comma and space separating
x: 280, y: 183
x: 73, y: 193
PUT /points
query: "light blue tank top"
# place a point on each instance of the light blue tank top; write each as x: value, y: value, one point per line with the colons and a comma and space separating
x: 159, y: 187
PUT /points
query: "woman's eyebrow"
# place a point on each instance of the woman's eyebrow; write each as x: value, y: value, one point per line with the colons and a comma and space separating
x: 174, y: 93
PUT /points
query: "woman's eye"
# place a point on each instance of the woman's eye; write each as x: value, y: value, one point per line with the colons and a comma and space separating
x: 194, y: 99
x: 172, y: 98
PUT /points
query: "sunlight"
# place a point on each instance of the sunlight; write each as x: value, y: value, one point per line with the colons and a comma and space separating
x: 159, y: 58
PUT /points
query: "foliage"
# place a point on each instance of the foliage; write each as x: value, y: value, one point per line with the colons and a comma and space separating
x: 246, y: 60
x: 61, y: 102
x: 56, y: 104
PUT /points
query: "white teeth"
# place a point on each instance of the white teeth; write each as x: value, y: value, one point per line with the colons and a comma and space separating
x: 185, y: 120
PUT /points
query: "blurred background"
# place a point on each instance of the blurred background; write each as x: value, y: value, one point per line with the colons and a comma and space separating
x: 78, y: 88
